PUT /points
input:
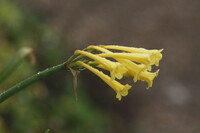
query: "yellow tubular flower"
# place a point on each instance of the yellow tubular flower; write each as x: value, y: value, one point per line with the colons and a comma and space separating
x: 148, y: 77
x: 128, y: 49
x: 116, y: 70
x: 133, y: 69
x: 137, y: 57
x: 121, y: 90
x: 119, y: 71
x: 155, y: 55
x: 99, y: 49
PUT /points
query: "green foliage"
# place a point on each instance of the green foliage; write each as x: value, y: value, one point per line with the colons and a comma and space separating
x: 49, y: 104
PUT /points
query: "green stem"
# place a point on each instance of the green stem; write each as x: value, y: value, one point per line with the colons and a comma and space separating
x: 23, y: 84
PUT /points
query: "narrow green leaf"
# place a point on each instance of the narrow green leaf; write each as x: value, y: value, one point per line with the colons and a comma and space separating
x: 16, y: 60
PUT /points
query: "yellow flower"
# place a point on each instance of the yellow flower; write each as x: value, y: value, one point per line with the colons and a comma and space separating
x: 133, y: 69
x: 130, y: 62
x: 155, y: 55
x: 121, y: 90
x: 148, y: 77
x: 137, y: 57
x: 99, y: 48
x: 116, y: 70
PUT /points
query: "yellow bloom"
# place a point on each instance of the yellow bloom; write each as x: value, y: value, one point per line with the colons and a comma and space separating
x: 148, y: 77
x: 155, y: 55
x: 137, y: 57
x: 130, y: 62
x: 121, y: 90
x: 99, y: 49
x: 116, y: 70
x: 133, y: 68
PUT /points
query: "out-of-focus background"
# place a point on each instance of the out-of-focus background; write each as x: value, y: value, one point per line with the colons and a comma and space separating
x: 54, y: 29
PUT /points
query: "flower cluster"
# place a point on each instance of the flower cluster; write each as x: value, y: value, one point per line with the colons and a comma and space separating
x: 126, y: 62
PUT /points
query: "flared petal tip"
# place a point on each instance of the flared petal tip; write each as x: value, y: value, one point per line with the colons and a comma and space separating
x: 123, y: 92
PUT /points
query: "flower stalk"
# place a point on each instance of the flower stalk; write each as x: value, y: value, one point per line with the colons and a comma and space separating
x: 25, y: 83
